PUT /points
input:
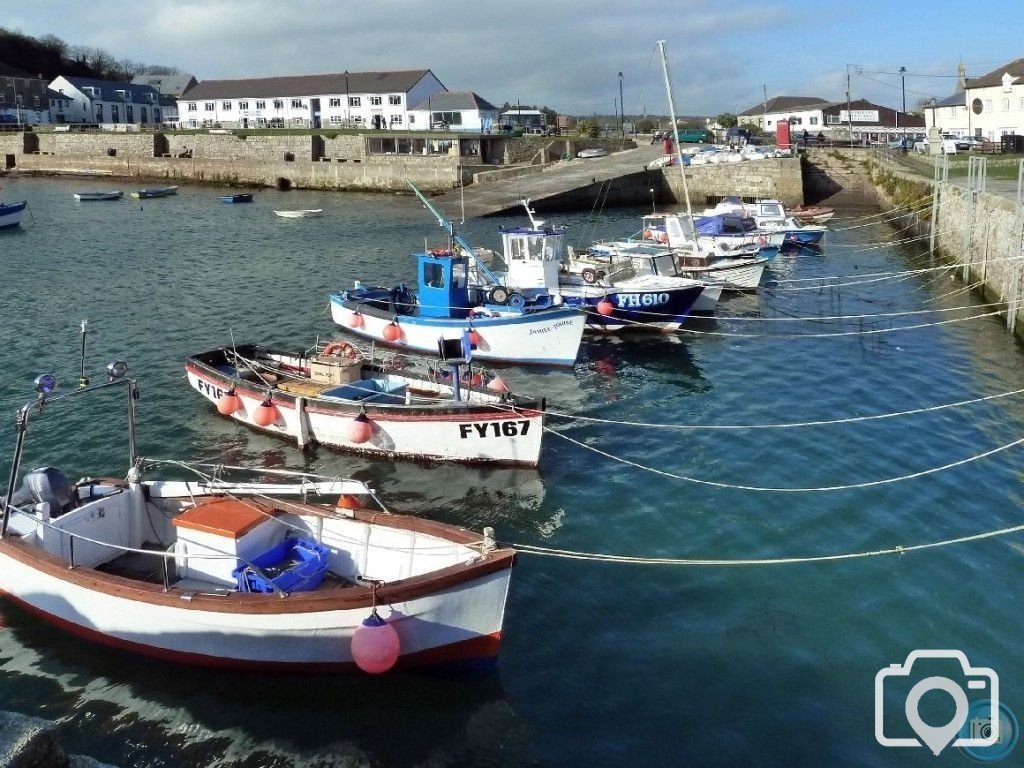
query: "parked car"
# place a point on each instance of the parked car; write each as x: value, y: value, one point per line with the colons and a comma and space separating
x: 948, y: 146
x: 967, y: 143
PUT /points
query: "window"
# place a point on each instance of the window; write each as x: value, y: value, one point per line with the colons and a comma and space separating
x: 375, y: 101
x: 261, y: 105
x: 226, y: 106
x: 115, y: 114
x: 334, y: 102
x: 210, y: 106
x: 814, y: 121
x: 988, y: 104
x: 396, y: 119
x: 412, y: 119
x: 191, y: 106
x: 355, y: 101
x: 1006, y: 105
x: 129, y: 114
x: 156, y: 115
x: 395, y: 101
x: 297, y: 104
x: 445, y: 118
x: 768, y: 123
x: 278, y: 104
x: 433, y: 275
x: 337, y: 119
x: 243, y: 105
x: 99, y: 113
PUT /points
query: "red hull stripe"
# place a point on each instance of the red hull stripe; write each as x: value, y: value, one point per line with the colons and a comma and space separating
x: 475, y: 648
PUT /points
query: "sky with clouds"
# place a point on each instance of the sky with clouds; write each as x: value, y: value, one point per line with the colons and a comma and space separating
x: 565, y: 54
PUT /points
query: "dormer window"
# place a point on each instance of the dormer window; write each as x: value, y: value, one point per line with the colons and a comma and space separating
x: 1008, y: 82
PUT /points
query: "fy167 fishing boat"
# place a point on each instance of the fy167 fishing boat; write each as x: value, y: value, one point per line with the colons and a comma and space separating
x: 333, y: 395
x: 210, y: 570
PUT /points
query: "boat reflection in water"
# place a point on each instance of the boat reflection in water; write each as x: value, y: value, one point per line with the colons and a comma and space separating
x: 157, y: 714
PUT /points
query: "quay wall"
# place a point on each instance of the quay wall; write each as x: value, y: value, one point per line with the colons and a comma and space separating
x: 981, y: 233
x: 369, y: 174
x: 776, y: 178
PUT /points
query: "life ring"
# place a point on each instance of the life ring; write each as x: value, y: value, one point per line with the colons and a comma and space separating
x: 341, y: 348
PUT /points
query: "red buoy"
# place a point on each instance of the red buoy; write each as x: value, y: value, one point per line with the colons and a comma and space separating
x: 355, y: 320
x: 347, y: 501
x: 265, y: 414
x: 392, y: 331
x: 474, y: 338
x: 605, y: 307
x: 360, y: 429
x: 375, y: 645
x: 229, y: 403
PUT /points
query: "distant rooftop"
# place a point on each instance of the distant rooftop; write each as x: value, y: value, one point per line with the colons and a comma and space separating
x: 785, y: 104
x: 452, y: 100
x: 1015, y: 68
x: 308, y: 85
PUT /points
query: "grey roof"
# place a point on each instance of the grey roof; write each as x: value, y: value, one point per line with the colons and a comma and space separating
x: 452, y: 100
x: 958, y: 99
x: 785, y: 104
x: 995, y: 77
x: 166, y: 85
x: 308, y: 85
x: 108, y: 88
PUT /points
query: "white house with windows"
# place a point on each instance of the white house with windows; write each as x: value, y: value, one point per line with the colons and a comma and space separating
x: 107, y: 102
x: 802, y: 112
x: 990, y: 107
x: 455, y: 111
x: 358, y: 99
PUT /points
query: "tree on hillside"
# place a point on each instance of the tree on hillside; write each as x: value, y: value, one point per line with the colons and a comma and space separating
x: 726, y: 120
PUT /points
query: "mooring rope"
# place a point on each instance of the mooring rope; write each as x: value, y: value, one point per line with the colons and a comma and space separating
x: 767, y: 489
x: 567, y: 554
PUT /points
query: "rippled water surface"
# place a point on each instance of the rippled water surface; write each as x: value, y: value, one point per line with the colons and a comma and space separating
x: 602, y: 664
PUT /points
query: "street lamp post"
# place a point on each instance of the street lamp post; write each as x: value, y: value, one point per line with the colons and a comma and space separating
x: 622, y: 110
x: 903, y: 88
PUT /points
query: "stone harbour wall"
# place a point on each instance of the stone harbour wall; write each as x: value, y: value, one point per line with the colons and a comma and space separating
x: 774, y: 178
x: 85, y: 145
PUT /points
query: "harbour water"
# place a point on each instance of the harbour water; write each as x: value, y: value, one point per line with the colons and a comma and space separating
x: 602, y: 663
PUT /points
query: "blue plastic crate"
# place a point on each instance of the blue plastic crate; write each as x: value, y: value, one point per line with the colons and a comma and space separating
x: 293, y: 565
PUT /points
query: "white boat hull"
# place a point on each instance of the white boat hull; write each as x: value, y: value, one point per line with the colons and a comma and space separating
x: 542, y: 338
x: 11, y: 218
x: 499, y: 436
x: 740, y: 275
x: 707, y: 302
x: 463, y: 622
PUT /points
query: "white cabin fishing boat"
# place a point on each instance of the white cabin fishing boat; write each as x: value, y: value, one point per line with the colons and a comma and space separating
x: 336, y: 396
x: 216, y: 571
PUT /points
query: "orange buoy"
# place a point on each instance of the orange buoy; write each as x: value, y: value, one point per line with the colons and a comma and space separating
x: 229, y: 403
x: 474, y: 338
x: 347, y: 501
x: 392, y: 331
x: 265, y: 414
x: 355, y: 320
x: 605, y: 307
x: 375, y: 645
x: 360, y: 429
x: 497, y: 385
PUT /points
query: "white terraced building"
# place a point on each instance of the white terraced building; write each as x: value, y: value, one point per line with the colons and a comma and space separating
x: 106, y: 102
x: 356, y: 99
x: 987, y: 107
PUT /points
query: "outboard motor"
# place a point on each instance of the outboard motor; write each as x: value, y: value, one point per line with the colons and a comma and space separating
x: 45, y: 485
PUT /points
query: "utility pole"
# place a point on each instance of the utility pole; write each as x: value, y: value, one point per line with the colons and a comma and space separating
x: 622, y: 110
x: 849, y: 111
x: 764, y: 116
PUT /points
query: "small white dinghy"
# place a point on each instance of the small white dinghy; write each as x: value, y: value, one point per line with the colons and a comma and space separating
x: 308, y: 213
x: 215, y: 571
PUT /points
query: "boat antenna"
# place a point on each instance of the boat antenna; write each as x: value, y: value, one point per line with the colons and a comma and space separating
x: 675, y: 132
x: 456, y: 238
x: 83, y: 380
x: 535, y: 223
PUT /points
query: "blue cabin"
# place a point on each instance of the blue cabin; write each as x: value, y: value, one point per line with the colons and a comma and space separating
x: 443, y: 284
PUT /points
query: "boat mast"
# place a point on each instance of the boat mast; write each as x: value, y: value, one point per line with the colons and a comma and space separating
x: 675, y: 132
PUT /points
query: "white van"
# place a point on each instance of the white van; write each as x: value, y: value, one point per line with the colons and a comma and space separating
x: 948, y: 145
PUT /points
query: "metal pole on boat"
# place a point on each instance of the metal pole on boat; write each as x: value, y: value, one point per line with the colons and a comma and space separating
x: 15, y: 466
x: 83, y: 380
x: 675, y: 131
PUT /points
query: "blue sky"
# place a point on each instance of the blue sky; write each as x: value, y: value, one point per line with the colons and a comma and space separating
x: 565, y: 55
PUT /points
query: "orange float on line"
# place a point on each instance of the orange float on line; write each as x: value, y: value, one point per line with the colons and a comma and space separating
x: 229, y: 403
x: 375, y: 645
x: 355, y: 320
x: 347, y: 501
x: 265, y: 414
x: 392, y: 331
x: 360, y: 429
x: 605, y: 307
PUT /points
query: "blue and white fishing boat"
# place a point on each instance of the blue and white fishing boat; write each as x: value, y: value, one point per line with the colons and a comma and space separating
x: 500, y: 323
x: 10, y: 214
x: 771, y: 216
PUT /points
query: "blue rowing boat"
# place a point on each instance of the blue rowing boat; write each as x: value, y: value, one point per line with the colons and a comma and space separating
x: 243, y: 197
x: 10, y: 214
